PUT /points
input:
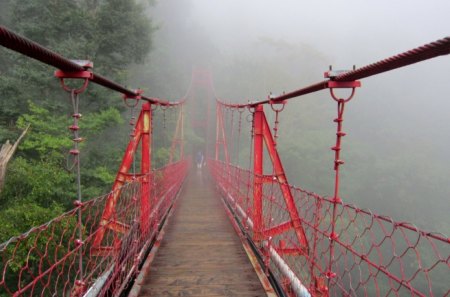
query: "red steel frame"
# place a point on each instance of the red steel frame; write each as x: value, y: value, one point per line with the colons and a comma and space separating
x: 262, y: 135
x: 142, y: 134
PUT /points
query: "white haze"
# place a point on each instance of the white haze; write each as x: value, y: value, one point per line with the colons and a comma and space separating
x: 406, y: 110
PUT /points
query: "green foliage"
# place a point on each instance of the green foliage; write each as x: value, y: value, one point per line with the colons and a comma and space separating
x: 103, y: 174
x: 112, y: 33
x: 44, y: 175
x: 20, y: 217
x: 50, y: 241
x: 123, y: 30
x: 161, y: 157
x: 36, y: 181
x: 38, y: 187
x: 94, y: 123
x: 49, y: 136
x: 46, y: 131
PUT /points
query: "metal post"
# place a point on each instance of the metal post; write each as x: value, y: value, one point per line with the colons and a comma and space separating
x: 146, y: 166
x: 121, y: 177
x: 281, y: 179
x: 258, y: 139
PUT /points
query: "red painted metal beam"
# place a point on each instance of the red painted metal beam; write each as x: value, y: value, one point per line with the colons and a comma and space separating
x: 146, y: 166
x: 283, y: 183
x: 258, y: 151
x: 141, y: 135
x: 281, y: 228
x: 261, y: 135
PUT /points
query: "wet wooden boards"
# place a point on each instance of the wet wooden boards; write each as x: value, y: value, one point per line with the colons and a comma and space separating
x: 200, y: 254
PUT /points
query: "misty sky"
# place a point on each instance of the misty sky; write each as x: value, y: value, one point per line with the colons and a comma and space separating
x: 347, y: 33
x: 339, y: 28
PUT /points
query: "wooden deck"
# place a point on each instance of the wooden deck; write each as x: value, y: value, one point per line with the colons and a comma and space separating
x: 200, y: 254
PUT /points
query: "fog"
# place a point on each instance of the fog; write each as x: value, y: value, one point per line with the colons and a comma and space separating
x: 396, y: 151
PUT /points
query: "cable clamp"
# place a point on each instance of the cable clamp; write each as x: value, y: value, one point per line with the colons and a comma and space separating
x: 331, y: 74
x: 85, y: 74
x: 333, y: 84
x: 137, y: 96
x: 273, y: 103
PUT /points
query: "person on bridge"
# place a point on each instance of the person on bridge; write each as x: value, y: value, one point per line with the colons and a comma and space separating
x: 200, y: 159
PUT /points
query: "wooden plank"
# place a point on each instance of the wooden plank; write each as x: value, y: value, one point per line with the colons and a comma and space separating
x: 202, y: 290
x: 200, y: 254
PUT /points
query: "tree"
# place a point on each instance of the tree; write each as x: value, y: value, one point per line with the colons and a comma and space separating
x: 114, y: 34
x: 6, y: 153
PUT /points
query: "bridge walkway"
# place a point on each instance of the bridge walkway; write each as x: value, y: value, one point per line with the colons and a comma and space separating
x: 200, y: 253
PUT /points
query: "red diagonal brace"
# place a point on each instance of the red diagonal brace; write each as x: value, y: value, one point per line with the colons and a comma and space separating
x: 117, y: 226
x: 141, y: 135
x: 262, y: 133
x: 283, y: 227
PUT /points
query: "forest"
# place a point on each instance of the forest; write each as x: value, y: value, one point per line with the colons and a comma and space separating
x: 39, y: 184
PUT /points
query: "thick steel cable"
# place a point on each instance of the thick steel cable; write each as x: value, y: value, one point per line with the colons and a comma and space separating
x: 431, y: 50
x: 29, y: 48
x: 428, y: 51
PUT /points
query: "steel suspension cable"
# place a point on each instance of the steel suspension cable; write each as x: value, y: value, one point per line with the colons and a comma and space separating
x: 428, y: 51
x: 27, y: 47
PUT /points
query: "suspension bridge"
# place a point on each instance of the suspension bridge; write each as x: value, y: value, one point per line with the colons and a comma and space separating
x: 223, y: 230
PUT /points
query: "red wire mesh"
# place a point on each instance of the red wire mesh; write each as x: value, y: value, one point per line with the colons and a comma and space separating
x: 374, y: 255
x: 44, y: 261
